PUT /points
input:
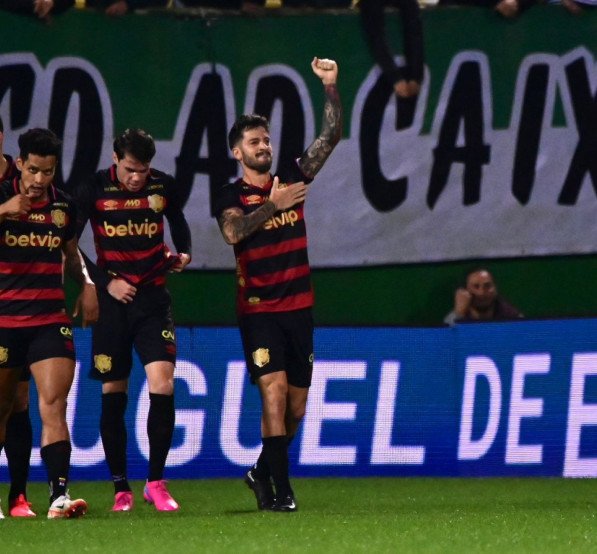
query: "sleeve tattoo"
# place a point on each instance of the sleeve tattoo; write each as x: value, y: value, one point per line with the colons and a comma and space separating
x: 236, y: 226
x: 315, y: 156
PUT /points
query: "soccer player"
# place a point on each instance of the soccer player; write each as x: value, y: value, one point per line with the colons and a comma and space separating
x: 37, y: 229
x: 126, y: 205
x: 19, y: 432
x: 262, y: 216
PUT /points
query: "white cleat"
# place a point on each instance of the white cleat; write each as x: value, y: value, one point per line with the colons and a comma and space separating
x: 63, y: 507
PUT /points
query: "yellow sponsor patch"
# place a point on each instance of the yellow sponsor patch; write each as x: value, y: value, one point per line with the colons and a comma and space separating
x: 3, y: 355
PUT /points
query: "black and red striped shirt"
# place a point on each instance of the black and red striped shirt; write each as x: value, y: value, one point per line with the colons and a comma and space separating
x: 11, y: 169
x: 272, y: 265
x: 31, y: 283
x: 128, y: 227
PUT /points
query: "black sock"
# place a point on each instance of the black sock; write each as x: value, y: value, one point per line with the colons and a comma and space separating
x: 260, y: 468
x: 19, y: 440
x: 56, y: 457
x: 275, y: 450
x: 160, y: 428
x: 114, y: 437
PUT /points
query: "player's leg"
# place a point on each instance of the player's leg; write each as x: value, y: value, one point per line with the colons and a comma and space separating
x: 53, y: 379
x: 298, y: 333
x: 273, y: 388
x: 19, y: 441
x: 160, y: 429
x: 155, y: 344
x: 264, y: 355
x: 9, y: 378
x: 112, y: 364
x: 114, y: 440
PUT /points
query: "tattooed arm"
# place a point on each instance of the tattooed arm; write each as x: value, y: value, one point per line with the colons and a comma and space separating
x: 315, y: 156
x: 236, y: 226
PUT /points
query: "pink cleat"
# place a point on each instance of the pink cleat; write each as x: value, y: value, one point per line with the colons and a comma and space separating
x: 19, y: 507
x: 123, y: 501
x: 156, y: 492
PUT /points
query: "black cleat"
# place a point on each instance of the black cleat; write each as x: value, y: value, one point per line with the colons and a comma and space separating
x: 285, y: 504
x: 262, y: 488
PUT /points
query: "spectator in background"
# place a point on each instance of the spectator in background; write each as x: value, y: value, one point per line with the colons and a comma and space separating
x: 478, y: 300
x: 507, y: 8
x: 577, y: 6
x: 42, y: 9
x: 406, y: 80
x: 250, y: 7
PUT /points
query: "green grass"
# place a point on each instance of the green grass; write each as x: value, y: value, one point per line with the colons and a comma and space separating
x: 335, y: 515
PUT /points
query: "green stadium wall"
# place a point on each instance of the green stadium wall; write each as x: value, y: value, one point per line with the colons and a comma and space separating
x: 395, y: 294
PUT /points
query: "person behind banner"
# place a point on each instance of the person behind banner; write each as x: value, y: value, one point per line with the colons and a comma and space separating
x: 478, y: 300
x: 126, y: 205
x: 261, y: 215
x: 37, y: 225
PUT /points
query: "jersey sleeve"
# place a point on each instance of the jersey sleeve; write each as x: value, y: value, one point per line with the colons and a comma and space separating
x: 226, y: 197
x: 179, y: 227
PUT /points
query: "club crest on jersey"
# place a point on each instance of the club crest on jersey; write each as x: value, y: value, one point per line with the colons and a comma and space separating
x: 261, y: 357
x: 102, y: 362
x: 58, y: 218
x: 156, y: 202
x: 3, y: 355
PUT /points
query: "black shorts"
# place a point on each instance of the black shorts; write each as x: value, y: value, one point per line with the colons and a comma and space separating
x: 23, y: 346
x: 279, y: 341
x: 144, y: 324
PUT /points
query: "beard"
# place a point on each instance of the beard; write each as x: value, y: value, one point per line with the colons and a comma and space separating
x: 261, y: 165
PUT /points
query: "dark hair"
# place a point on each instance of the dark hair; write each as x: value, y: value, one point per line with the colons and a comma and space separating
x: 41, y: 142
x: 475, y: 269
x: 245, y: 123
x: 137, y: 143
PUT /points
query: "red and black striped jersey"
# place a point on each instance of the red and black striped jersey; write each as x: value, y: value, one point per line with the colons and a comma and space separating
x: 11, y: 169
x: 31, y: 284
x: 272, y: 265
x: 128, y: 227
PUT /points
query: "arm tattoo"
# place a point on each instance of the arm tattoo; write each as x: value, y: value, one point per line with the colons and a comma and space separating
x: 316, y: 155
x: 235, y: 226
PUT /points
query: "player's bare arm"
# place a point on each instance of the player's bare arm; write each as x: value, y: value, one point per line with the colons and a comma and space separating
x: 236, y: 226
x: 315, y: 156
x: 86, y: 303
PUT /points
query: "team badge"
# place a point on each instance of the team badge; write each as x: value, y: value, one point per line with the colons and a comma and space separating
x: 58, y: 218
x: 261, y: 357
x: 156, y: 202
x: 3, y: 355
x: 103, y: 363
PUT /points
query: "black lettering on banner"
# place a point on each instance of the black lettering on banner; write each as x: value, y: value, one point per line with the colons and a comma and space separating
x: 19, y: 79
x: 584, y: 104
x: 529, y: 132
x: 279, y: 88
x: 207, y: 118
x: 465, y: 105
x: 383, y: 194
x: 90, y: 129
